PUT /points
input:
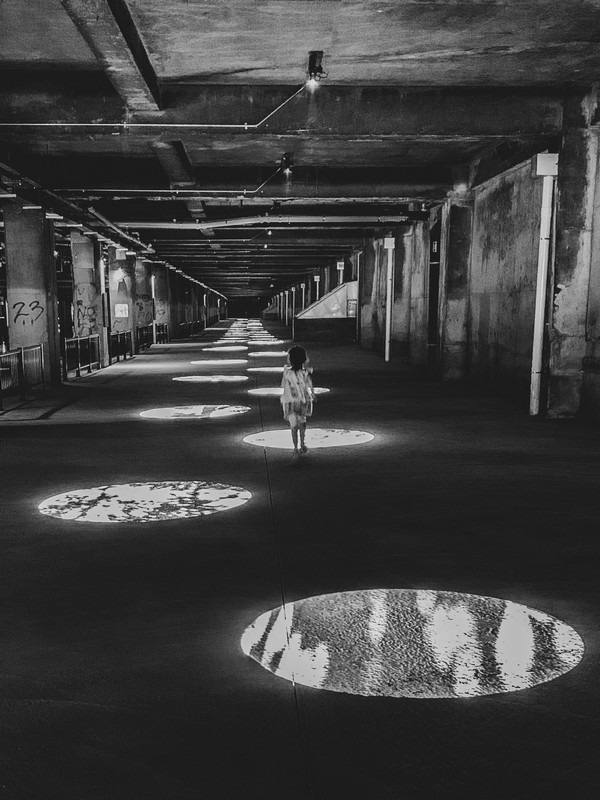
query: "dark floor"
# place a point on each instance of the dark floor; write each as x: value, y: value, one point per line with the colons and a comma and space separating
x: 122, y: 675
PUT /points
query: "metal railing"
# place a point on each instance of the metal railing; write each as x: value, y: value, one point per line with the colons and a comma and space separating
x: 190, y: 328
x: 144, y: 337
x: 81, y: 352
x: 120, y: 346
x: 20, y: 370
x: 162, y: 333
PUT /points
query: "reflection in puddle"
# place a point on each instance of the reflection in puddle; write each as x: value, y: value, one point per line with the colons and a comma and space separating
x: 194, y: 412
x: 315, y: 438
x: 412, y: 643
x: 277, y: 391
x: 145, y: 502
x: 212, y: 378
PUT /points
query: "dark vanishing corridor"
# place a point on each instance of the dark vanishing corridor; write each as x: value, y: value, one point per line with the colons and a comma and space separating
x: 123, y: 673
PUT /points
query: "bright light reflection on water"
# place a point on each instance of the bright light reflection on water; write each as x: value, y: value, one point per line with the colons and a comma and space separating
x: 315, y: 438
x: 412, y: 643
x: 213, y: 378
x: 145, y: 502
x: 277, y: 391
x: 194, y: 412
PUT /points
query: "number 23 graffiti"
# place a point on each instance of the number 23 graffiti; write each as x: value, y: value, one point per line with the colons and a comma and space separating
x: 35, y: 311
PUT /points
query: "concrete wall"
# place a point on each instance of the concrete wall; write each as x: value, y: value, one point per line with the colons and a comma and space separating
x: 417, y: 270
x: 506, y: 222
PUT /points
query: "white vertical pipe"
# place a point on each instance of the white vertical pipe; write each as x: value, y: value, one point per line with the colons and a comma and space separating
x: 303, y: 287
x: 340, y: 272
x: 153, y: 290
x: 317, y: 279
x: 388, y: 243
x: 293, y: 301
x: 540, y: 294
x: 287, y: 308
x: 358, y: 255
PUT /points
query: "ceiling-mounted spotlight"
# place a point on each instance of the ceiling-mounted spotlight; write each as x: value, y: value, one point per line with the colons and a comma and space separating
x: 287, y: 162
x: 315, y: 71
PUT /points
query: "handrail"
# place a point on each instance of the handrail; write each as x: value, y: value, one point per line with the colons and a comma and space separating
x: 20, y: 369
x: 121, y: 345
x: 80, y: 352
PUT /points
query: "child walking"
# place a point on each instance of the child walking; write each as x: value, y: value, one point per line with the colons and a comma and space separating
x: 297, y: 397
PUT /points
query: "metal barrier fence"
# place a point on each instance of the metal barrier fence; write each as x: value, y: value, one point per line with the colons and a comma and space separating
x: 20, y: 370
x: 190, y: 328
x: 144, y: 337
x: 121, y: 345
x: 162, y: 333
x: 81, y: 352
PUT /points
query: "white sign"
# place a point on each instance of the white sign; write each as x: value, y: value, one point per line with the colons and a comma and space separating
x: 121, y: 310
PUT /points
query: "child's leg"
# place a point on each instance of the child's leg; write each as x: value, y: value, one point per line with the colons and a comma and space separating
x: 302, y: 435
x: 294, y: 429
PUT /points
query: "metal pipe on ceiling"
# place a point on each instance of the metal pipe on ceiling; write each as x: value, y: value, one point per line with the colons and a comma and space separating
x: 280, y: 219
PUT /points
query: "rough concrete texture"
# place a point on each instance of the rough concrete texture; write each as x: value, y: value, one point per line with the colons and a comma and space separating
x: 122, y: 673
x: 503, y: 279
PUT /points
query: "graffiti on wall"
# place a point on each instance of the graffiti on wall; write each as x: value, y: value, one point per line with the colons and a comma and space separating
x: 24, y: 313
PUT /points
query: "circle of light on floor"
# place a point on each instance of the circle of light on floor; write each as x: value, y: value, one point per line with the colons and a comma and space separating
x: 265, y: 369
x: 220, y: 362
x: 277, y: 391
x: 144, y: 502
x: 273, y: 341
x: 213, y: 378
x: 226, y: 349
x: 412, y: 643
x: 315, y: 438
x: 268, y: 354
x: 194, y: 412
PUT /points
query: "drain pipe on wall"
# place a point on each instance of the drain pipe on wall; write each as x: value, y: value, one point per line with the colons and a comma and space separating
x: 389, y: 244
x: 546, y: 165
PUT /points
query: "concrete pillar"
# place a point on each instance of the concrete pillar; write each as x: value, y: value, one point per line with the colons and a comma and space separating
x: 88, y: 291
x: 576, y: 187
x: 121, y: 282
x: 161, y: 295
x: 31, y: 284
x: 455, y: 257
x: 143, y: 293
x: 172, y: 303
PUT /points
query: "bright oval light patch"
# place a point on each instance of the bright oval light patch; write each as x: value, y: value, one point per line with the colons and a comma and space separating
x: 227, y: 349
x: 145, y: 502
x: 268, y: 354
x: 220, y: 362
x: 315, y: 438
x: 194, y: 412
x: 212, y: 378
x: 265, y: 369
x: 412, y: 643
x: 277, y: 391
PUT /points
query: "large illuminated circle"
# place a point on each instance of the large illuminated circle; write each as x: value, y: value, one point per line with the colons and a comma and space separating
x: 212, y: 378
x: 315, y: 438
x: 277, y: 391
x: 194, y: 412
x: 265, y: 369
x: 412, y: 643
x: 226, y: 349
x: 268, y: 354
x: 220, y: 362
x: 144, y: 502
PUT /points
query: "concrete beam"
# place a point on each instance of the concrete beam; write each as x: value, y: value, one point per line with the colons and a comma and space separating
x: 109, y: 30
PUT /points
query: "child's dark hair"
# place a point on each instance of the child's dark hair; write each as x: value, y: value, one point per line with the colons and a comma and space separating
x: 297, y: 356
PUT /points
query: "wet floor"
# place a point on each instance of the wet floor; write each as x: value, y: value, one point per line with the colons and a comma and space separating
x: 151, y: 658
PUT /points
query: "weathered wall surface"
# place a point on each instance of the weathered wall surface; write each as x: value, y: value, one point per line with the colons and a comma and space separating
x: 506, y: 223
x: 418, y: 269
x: 372, y: 291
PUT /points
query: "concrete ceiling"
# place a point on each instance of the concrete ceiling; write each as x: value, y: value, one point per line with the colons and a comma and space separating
x: 152, y: 111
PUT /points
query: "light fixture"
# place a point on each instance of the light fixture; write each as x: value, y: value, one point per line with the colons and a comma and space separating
x: 287, y: 162
x: 315, y: 72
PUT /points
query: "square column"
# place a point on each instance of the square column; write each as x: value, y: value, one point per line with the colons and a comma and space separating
x: 88, y: 290
x: 31, y: 284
